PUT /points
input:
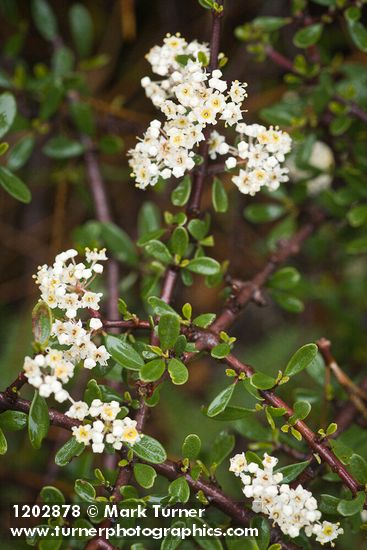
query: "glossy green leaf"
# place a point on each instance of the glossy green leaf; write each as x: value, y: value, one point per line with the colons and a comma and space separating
x: 3, y: 443
x: 119, y: 243
x: 68, y: 451
x: 179, y: 490
x: 180, y: 195
x: 21, y: 153
x: 221, y: 401
x: 204, y: 320
x: 81, y: 26
x: 168, y: 331
x: 14, y: 186
x: 178, y: 371
x: 191, y: 447
x: 52, y: 495
x: 145, y: 475
x: 292, y: 471
x: 307, y: 36
x: 358, y: 468
x: 12, y: 421
x: 152, y: 370
x: 221, y: 447
x: 262, y: 381
x: 44, y: 19
x: 220, y: 350
x: 219, y: 196
x: 352, y: 507
x: 149, y: 449
x: 82, y: 116
x: 159, y: 251
x: 123, y: 353
x: 8, y: 110
x: 358, y: 33
x: 85, y: 490
x: 285, y: 278
x: 38, y: 420
x: 357, y: 215
x: 203, y: 266
x: 61, y: 147
x: 301, y: 359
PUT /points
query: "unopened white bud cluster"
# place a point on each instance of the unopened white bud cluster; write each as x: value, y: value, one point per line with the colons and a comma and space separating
x: 290, y: 509
x: 191, y: 98
x: 65, y: 286
x: 104, y: 425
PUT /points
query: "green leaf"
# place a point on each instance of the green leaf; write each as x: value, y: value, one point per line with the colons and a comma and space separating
x: 301, y: 409
x: 219, y: 196
x: 123, y: 353
x: 285, y: 278
x: 110, y: 144
x: 160, y: 307
x: 198, y: 228
x: 221, y: 401
x: 41, y: 323
x: 44, y: 19
x: 292, y: 471
x: 301, y: 359
x: 149, y: 218
x: 287, y: 301
x: 191, y: 447
x: 178, y: 371
x: 85, y: 490
x: 220, y: 350
x: 221, y: 447
x: 352, y: 507
x: 180, y: 195
x: 153, y: 370
x: 62, y: 62
x: 8, y: 110
x: 38, y: 420
x: 92, y: 391
x: 329, y: 504
x: 233, y: 413
x: 52, y: 495
x: 179, y: 490
x: 14, y: 186
x: 82, y: 116
x: 207, y: 4
x: 260, y: 213
x: 179, y: 241
x: 168, y: 331
x: 173, y: 539
x: 308, y: 35
x: 262, y: 381
x: 68, y: 451
x: 357, y: 215
x: 21, y: 152
x: 263, y: 529
x: 119, y: 242
x: 3, y: 443
x: 204, y: 320
x: 358, y: 33
x: 203, y: 266
x: 358, y: 468
x: 149, y: 449
x: 81, y: 26
x: 61, y: 147
x: 145, y: 475
x: 270, y: 24
x: 12, y: 421
x: 159, y: 251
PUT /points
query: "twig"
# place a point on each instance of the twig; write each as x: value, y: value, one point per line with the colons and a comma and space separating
x: 285, y: 249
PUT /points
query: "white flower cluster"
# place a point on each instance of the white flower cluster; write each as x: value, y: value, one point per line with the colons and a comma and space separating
x: 105, y: 427
x: 290, y: 509
x: 65, y: 285
x: 261, y: 151
x: 192, y: 99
